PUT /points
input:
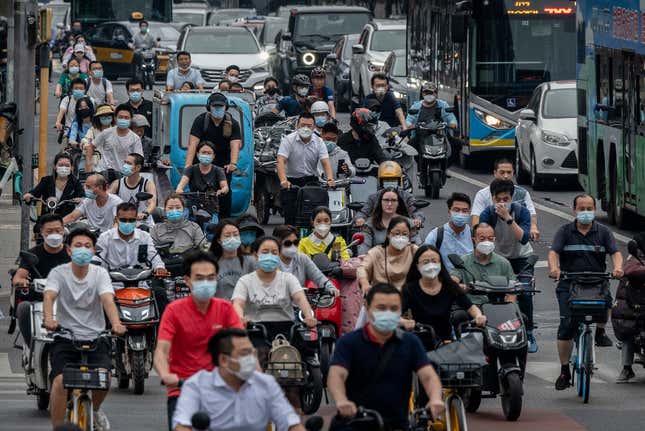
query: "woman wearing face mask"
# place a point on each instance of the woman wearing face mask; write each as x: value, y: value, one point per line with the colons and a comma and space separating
x: 69, y: 52
x: 182, y: 233
x: 250, y: 230
x: 82, y: 122
x: 430, y: 294
x: 390, y: 205
x: 321, y: 239
x: 389, y: 262
x: 232, y: 263
x: 299, y: 264
x: 62, y: 185
x: 269, y: 99
x: 102, y: 119
x: 64, y: 84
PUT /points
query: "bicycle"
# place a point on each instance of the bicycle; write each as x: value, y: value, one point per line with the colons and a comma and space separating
x: 585, y: 311
x: 81, y: 379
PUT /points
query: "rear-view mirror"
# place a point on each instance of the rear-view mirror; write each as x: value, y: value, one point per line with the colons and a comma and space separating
x: 143, y: 196
x: 421, y: 203
x: 28, y: 258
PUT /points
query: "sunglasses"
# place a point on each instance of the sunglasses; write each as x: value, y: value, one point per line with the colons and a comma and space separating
x: 128, y: 220
x: 289, y: 243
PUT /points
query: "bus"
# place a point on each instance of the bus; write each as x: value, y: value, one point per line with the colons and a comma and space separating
x: 93, y: 12
x: 487, y: 57
x: 611, y: 105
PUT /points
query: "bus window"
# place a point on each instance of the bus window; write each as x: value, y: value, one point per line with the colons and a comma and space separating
x: 619, y: 89
x: 602, y: 94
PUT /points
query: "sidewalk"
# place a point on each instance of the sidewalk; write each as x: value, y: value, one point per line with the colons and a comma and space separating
x: 9, y: 238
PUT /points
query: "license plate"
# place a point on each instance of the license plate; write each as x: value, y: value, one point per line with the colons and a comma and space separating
x: 336, y: 200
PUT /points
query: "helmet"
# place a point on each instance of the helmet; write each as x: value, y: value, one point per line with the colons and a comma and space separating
x: 319, y: 107
x: 390, y: 172
x: 301, y: 80
x: 318, y: 72
x: 428, y: 87
x: 364, y: 122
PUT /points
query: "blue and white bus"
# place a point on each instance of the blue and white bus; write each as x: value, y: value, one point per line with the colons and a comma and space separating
x: 487, y: 57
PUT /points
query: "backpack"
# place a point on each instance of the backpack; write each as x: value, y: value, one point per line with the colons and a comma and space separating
x: 284, y: 362
x: 635, y: 285
x: 309, y: 197
x: 228, y: 125
x: 439, y: 240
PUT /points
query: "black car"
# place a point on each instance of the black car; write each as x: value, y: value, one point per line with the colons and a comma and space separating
x: 311, y: 35
x: 337, y: 69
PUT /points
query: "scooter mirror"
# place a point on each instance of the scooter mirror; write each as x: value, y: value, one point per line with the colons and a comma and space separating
x: 632, y: 247
x: 355, y: 206
x: 456, y: 261
x: 421, y: 203
x: 200, y: 421
x: 143, y: 196
x: 29, y: 258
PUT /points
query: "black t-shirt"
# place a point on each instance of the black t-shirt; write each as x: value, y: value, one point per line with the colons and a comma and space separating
x: 433, y: 310
x: 209, y: 182
x: 46, y: 261
x: 580, y: 252
x: 215, y: 135
x: 145, y: 109
x: 426, y: 114
x: 389, y: 105
x: 358, y: 149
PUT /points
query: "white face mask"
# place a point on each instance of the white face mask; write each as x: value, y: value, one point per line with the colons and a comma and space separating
x: 322, y: 229
x: 305, y: 132
x: 486, y: 247
x: 248, y: 364
x: 400, y: 242
x: 290, y: 252
x: 303, y: 91
x: 430, y: 270
x: 54, y: 240
x: 233, y: 78
x: 63, y: 171
x: 429, y: 98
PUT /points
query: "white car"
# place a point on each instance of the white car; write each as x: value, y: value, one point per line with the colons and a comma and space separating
x: 212, y: 49
x: 377, y: 40
x: 546, y: 135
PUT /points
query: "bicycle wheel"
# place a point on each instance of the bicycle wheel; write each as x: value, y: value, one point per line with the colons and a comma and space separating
x: 456, y: 415
x: 579, y: 365
x: 587, y: 367
x: 81, y: 413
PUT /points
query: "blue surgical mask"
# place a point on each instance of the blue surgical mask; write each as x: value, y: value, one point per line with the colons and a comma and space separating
x: 122, y: 123
x: 90, y: 194
x: 459, y: 219
x: 218, y: 111
x: 78, y: 93
x: 585, y: 217
x: 320, y: 121
x: 204, y: 290
x: 331, y: 146
x: 82, y: 256
x: 248, y: 237
x: 105, y: 121
x: 175, y: 215
x: 231, y: 243
x: 390, y: 184
x: 126, y: 169
x: 386, y: 321
x: 205, y: 159
x: 127, y: 228
x: 135, y: 96
x: 98, y: 73
x: 74, y: 70
x: 268, y: 262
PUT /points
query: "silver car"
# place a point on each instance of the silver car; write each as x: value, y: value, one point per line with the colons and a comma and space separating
x: 546, y: 134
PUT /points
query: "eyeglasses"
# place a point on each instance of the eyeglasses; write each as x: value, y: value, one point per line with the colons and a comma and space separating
x: 289, y: 243
x: 389, y: 201
x: 128, y: 220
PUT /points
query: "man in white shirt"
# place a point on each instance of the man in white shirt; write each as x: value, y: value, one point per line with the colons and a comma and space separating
x: 227, y: 393
x: 99, y: 88
x: 98, y: 207
x: 82, y: 293
x: 503, y: 170
x: 184, y: 73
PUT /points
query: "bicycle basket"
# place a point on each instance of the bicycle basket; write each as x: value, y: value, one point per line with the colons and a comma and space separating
x: 460, y: 375
x: 284, y: 363
x: 459, y: 364
x: 589, y: 300
x: 92, y: 378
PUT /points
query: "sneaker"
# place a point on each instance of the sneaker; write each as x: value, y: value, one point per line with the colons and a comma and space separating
x: 625, y: 375
x: 563, y: 382
x: 533, y: 346
x: 602, y: 340
x: 101, y: 422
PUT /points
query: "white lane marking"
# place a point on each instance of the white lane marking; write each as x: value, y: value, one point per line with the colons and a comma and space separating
x: 5, y: 367
x: 549, y: 372
x: 542, y: 264
x: 552, y: 211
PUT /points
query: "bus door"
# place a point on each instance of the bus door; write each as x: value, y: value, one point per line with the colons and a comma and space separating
x: 631, y: 116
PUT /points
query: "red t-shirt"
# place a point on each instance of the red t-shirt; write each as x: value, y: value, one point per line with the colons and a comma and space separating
x: 188, y: 331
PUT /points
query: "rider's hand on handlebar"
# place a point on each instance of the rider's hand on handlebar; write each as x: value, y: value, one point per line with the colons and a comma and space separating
x: 119, y: 328
x: 311, y: 322
x: 480, y: 320
x: 27, y: 197
x: 554, y: 273
x: 170, y: 379
x: 617, y: 273
x: 408, y: 324
x: 346, y: 408
x: 50, y: 324
x: 359, y: 222
x: 345, y: 168
x: 333, y: 291
x: 331, y: 183
x: 285, y: 184
x: 436, y: 407
x: 161, y: 272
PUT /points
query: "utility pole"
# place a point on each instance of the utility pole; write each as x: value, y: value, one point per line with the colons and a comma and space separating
x: 24, y: 57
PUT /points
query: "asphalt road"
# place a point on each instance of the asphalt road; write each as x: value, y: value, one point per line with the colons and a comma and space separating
x: 612, y: 406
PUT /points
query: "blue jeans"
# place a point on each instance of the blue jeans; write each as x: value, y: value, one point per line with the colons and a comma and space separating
x: 525, y: 300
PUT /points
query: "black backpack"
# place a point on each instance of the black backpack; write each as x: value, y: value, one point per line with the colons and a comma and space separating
x: 309, y: 197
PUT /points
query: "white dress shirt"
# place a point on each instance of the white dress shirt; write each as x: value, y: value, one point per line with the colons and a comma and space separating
x: 119, y: 253
x: 259, y: 401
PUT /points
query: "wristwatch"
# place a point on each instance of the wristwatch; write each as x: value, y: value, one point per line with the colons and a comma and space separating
x: 509, y: 221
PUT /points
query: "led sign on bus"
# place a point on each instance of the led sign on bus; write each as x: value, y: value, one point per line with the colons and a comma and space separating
x: 533, y: 7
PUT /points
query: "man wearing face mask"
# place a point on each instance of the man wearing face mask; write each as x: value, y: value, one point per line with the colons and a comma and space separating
x: 373, y: 366
x: 67, y: 107
x: 295, y: 104
x: 188, y: 324
x: 143, y: 39
x: 360, y: 142
x: 98, y: 207
x: 298, y: 158
x: 50, y: 254
x: 234, y: 384
x: 84, y: 296
x: 138, y: 103
x: 483, y: 262
x: 429, y: 108
x: 341, y: 165
x: 578, y: 246
x: 99, y: 88
x: 454, y: 236
x: 232, y: 73
x: 183, y: 72
x: 132, y: 183
x: 391, y: 111
x: 512, y: 224
x: 269, y: 100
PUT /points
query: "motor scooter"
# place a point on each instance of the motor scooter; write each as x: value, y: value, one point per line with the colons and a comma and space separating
x: 397, y: 148
x: 434, y: 147
x: 505, y: 341
x: 367, y: 171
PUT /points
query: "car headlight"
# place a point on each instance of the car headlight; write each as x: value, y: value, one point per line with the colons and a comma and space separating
x: 264, y: 55
x: 308, y: 58
x: 553, y: 138
x: 492, y: 121
x: 260, y: 68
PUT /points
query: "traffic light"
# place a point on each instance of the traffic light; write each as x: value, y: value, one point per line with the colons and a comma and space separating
x: 45, y: 25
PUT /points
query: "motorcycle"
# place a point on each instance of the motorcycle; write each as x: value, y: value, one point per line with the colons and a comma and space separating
x: 49, y: 206
x: 397, y: 148
x: 197, y: 212
x: 148, y: 68
x: 175, y: 285
x: 505, y: 342
x: 433, y: 146
x: 367, y: 171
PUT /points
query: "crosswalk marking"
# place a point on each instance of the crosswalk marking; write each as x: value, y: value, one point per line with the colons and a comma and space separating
x: 5, y: 366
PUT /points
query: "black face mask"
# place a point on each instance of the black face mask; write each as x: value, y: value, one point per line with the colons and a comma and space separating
x: 83, y: 113
x: 272, y: 91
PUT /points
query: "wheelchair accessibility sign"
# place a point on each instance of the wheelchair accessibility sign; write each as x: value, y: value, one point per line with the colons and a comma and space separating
x: 511, y: 102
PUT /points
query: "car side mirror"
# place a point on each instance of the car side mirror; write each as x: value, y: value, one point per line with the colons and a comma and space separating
x: 358, y: 49
x: 286, y: 36
x: 528, y: 115
x: 166, y: 149
x: 456, y: 261
x: 331, y: 57
x: 270, y: 49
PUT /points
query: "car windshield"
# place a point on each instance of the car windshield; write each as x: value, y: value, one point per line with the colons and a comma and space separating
x: 187, y: 116
x: 221, y: 43
x: 326, y: 26
x: 189, y: 17
x: 388, y: 40
x: 224, y: 15
x: 560, y: 104
x: 271, y: 30
x: 164, y: 32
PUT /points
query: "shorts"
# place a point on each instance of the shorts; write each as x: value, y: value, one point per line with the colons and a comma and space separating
x: 63, y: 353
x: 567, y: 326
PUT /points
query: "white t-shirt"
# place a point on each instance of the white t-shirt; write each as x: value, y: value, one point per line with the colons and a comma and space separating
x: 100, y: 217
x: 483, y: 199
x: 98, y: 92
x: 69, y: 104
x: 78, y: 304
x: 267, y: 302
x: 115, y: 149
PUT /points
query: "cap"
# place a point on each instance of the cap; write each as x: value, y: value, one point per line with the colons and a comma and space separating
x: 139, y: 120
x: 250, y: 224
x: 217, y: 99
x: 79, y: 47
x: 104, y: 110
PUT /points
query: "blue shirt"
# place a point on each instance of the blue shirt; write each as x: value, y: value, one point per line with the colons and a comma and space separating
x: 359, y: 354
x: 325, y: 93
x: 453, y: 243
x: 76, y: 134
x: 413, y: 113
x: 290, y: 106
x: 580, y: 252
x: 389, y: 105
